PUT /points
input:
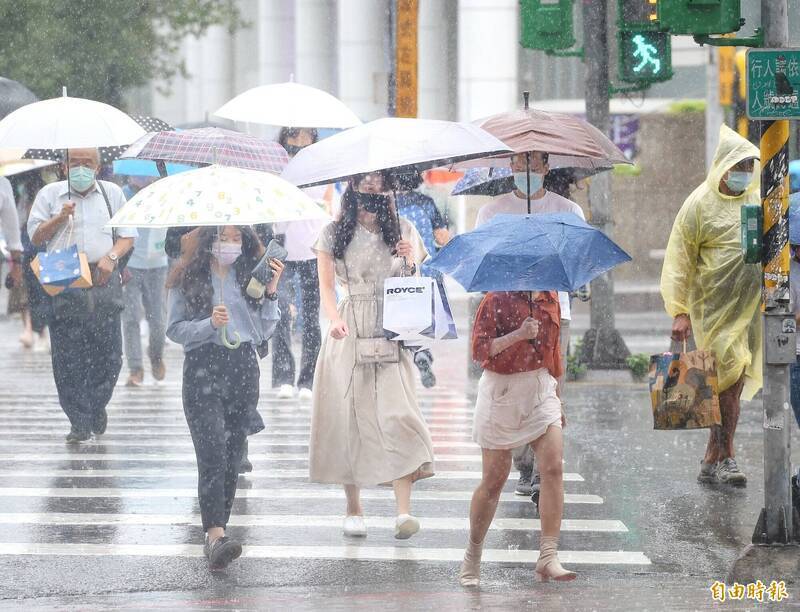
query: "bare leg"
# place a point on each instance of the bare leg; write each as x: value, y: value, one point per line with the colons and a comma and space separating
x: 720, y: 438
x: 549, y: 453
x: 496, y: 467
x: 26, y: 338
x: 353, y: 494
x: 402, y: 494
x: 215, y: 532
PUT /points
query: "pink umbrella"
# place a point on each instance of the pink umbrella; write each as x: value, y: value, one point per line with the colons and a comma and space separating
x: 211, y: 145
x: 570, y: 141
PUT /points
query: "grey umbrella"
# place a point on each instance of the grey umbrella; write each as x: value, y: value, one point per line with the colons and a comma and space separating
x: 13, y: 95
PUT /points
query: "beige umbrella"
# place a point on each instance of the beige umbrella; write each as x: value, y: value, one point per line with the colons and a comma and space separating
x: 570, y: 141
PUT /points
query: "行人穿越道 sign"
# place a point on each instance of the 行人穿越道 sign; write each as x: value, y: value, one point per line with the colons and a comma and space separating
x: 773, y: 83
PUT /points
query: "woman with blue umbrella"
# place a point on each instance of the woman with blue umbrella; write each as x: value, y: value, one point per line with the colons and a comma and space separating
x: 521, y: 260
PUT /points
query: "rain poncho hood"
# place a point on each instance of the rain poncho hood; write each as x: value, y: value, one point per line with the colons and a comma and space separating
x: 704, y: 272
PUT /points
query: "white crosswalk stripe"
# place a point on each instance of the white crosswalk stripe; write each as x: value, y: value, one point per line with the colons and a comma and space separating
x: 142, y: 474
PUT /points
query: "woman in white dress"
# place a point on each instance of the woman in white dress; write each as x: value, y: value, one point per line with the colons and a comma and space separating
x: 366, y: 427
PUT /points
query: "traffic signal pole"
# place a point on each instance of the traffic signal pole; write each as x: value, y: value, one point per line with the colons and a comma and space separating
x: 603, y: 346
x: 775, y: 525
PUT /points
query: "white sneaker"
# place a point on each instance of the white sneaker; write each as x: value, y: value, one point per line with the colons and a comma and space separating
x: 406, y: 527
x: 355, y: 527
x: 305, y: 394
x: 286, y: 392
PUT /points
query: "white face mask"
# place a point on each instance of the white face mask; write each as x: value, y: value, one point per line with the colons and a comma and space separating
x: 521, y: 181
x: 226, y: 252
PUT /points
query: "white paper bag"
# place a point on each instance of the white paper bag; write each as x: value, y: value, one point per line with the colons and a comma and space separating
x: 408, y: 306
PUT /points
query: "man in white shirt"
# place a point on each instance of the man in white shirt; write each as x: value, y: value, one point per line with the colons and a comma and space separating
x: 516, y: 203
x: 86, y: 338
x: 9, y: 226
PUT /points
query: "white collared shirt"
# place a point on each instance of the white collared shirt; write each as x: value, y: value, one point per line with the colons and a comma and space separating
x: 9, y: 220
x: 90, y: 232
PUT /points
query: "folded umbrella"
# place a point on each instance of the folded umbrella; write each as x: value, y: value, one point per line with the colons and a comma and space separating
x: 396, y: 144
x: 107, y: 154
x: 290, y: 105
x: 549, y: 252
x: 211, y: 146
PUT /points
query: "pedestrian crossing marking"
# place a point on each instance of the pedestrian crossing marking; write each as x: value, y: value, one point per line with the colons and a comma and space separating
x: 113, y: 492
x: 97, y: 453
x: 255, y: 443
x: 303, y: 520
x: 354, y: 552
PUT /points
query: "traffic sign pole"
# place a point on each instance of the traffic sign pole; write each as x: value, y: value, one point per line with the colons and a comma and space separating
x: 769, y: 96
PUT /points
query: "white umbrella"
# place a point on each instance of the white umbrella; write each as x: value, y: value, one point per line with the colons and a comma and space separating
x: 217, y: 195
x: 290, y: 105
x: 67, y: 123
x: 390, y: 144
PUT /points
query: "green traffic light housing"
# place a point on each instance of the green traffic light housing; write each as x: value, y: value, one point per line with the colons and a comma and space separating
x: 644, y: 57
x: 546, y: 24
x: 699, y: 17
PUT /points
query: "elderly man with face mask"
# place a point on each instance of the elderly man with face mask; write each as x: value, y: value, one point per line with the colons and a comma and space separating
x: 713, y: 295
x: 86, y: 338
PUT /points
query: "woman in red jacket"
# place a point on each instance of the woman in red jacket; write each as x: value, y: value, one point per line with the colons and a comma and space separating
x: 516, y: 340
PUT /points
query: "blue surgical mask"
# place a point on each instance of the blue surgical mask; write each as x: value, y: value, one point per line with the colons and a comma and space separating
x: 738, y: 181
x: 521, y: 181
x: 81, y: 178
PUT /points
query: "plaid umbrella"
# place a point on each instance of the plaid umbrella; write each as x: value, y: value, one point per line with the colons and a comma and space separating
x: 107, y: 154
x: 211, y: 146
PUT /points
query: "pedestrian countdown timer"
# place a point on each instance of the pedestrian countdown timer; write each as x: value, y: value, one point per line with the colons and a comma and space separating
x: 773, y: 83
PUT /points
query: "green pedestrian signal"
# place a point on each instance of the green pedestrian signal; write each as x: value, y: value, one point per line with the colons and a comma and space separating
x: 644, y: 57
x: 699, y: 17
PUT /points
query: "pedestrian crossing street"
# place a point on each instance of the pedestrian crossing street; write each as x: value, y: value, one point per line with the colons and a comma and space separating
x: 132, y: 491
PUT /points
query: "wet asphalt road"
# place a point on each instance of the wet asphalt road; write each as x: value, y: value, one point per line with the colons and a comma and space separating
x: 113, y: 523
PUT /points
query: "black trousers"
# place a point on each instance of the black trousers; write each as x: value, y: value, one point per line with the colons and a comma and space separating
x: 87, y: 358
x: 283, y: 363
x: 220, y: 399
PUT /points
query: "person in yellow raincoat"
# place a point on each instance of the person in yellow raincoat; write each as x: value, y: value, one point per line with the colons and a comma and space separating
x: 714, y: 295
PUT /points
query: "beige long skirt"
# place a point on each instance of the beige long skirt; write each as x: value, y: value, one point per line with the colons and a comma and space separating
x: 366, y: 426
x: 515, y: 409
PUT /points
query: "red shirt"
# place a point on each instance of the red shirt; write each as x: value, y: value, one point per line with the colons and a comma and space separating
x: 501, y: 313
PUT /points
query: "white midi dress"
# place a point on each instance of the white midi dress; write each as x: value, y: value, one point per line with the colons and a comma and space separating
x: 366, y: 426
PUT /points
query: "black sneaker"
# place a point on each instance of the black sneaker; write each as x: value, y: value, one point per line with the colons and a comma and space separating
x: 100, y: 422
x: 424, y: 362
x: 221, y: 552
x: 74, y: 436
x: 524, y: 486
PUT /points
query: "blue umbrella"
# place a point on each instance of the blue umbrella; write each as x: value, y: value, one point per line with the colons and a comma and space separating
x: 145, y: 167
x: 548, y: 252
x: 485, y: 181
x: 794, y: 218
x: 794, y: 175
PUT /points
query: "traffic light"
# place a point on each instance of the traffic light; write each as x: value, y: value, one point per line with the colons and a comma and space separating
x: 546, y: 24
x: 644, y: 53
x: 699, y: 17
x: 644, y: 57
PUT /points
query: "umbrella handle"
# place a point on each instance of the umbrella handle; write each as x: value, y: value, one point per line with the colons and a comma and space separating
x: 223, y: 334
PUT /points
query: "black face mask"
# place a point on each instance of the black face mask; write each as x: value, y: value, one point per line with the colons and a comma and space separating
x: 372, y: 202
x: 292, y: 150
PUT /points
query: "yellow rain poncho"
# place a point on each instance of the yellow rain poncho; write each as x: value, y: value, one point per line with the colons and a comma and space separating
x: 704, y: 272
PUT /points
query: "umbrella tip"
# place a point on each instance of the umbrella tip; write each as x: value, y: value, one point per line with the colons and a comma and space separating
x: 291, y: 77
x: 64, y: 91
x: 526, y: 96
